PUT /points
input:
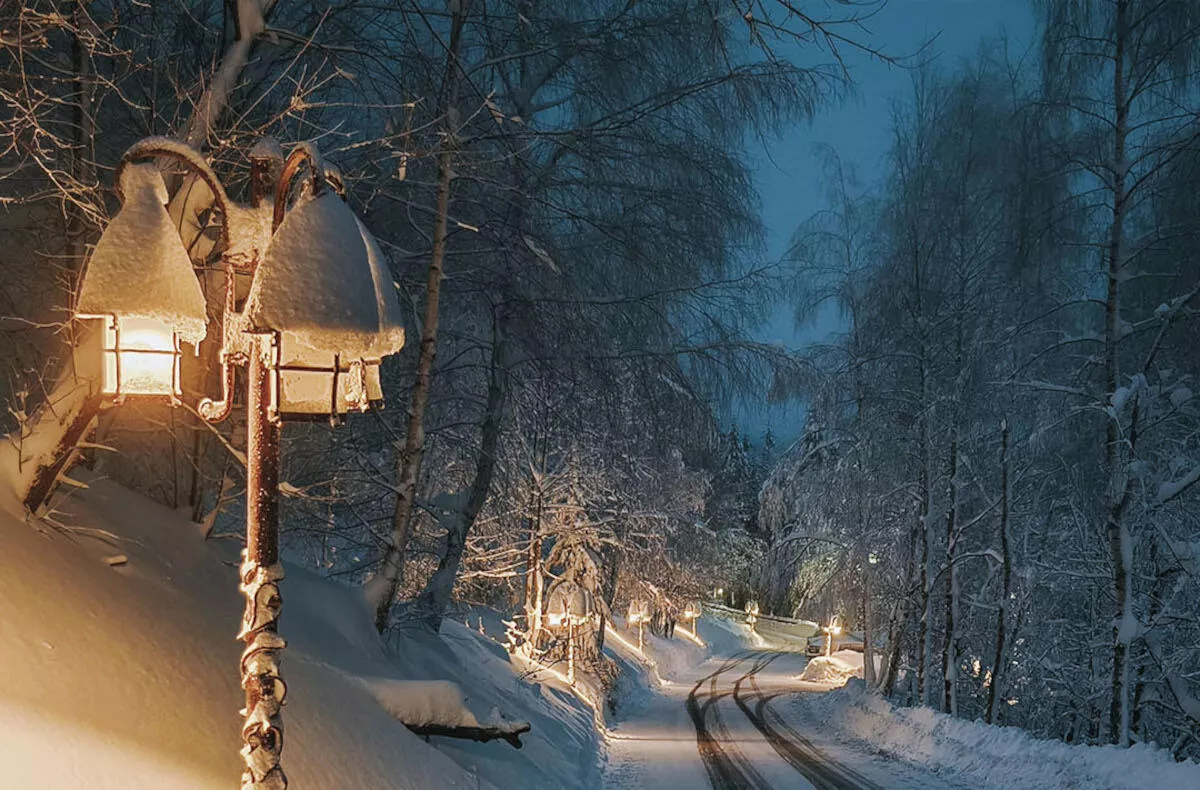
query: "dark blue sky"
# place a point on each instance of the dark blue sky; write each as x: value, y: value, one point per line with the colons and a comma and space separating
x: 789, y: 169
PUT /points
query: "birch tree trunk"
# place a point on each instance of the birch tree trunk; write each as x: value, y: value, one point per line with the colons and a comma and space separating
x: 535, y: 580
x: 1006, y: 582
x: 924, y: 635
x: 383, y: 588
x: 897, y: 626
x: 950, y: 646
x: 1120, y: 545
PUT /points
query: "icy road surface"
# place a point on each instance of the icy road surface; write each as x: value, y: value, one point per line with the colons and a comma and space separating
x: 723, y: 727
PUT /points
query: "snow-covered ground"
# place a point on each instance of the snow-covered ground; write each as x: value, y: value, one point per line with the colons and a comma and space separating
x: 653, y: 740
x: 981, y: 756
x: 119, y: 671
x: 742, y: 713
x: 123, y: 674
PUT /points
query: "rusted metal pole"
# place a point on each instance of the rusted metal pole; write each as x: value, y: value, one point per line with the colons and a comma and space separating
x: 261, y: 571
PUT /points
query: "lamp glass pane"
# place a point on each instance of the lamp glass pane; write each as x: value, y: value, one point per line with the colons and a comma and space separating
x: 305, y: 391
x: 309, y: 392
x: 141, y: 357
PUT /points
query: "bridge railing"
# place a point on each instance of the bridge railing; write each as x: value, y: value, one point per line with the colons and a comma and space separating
x: 771, y: 626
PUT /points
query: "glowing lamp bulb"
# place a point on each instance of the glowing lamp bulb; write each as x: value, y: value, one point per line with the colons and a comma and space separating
x: 141, y: 357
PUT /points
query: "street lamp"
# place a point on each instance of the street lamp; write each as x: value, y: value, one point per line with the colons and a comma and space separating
x: 639, y: 615
x: 148, y: 302
x: 833, y: 629
x: 752, y: 614
x: 320, y: 316
x: 571, y: 605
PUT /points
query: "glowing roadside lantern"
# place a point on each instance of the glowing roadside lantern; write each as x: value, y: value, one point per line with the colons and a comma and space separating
x: 140, y: 282
x: 141, y: 357
x: 323, y: 294
x: 569, y: 603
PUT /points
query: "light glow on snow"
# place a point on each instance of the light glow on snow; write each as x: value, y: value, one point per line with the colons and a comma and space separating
x: 610, y: 631
x: 690, y: 636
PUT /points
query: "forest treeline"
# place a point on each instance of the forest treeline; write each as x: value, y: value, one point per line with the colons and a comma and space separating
x: 998, y: 476
x: 1007, y: 424
x: 563, y: 196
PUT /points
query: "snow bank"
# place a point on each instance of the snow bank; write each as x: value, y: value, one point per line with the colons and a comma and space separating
x: 419, y: 703
x: 667, y: 659
x: 837, y: 668
x: 561, y: 752
x: 725, y: 637
x: 987, y: 757
x: 125, y: 677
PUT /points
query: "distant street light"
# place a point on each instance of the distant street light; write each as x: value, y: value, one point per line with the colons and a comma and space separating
x: 868, y: 625
x: 752, y: 614
x: 833, y: 629
x: 572, y: 605
x: 320, y: 315
x: 639, y: 615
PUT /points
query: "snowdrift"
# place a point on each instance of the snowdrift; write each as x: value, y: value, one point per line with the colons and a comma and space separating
x: 125, y: 675
x: 667, y: 660
x: 838, y: 668
x: 988, y: 757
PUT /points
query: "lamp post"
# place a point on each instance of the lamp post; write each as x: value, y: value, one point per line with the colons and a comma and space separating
x: 319, y: 317
x: 752, y: 614
x: 868, y: 625
x: 570, y: 605
x: 833, y: 629
x: 639, y: 614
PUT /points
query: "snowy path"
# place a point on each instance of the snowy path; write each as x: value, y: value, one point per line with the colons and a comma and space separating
x: 720, y: 729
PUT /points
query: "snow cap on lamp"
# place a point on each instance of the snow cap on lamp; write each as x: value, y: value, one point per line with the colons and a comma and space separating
x: 140, y: 268
x: 323, y: 289
x: 570, y: 600
x: 323, y: 282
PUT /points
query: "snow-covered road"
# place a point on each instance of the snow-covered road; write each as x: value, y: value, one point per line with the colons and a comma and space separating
x: 720, y: 727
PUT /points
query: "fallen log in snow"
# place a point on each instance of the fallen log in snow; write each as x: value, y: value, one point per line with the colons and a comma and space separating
x: 438, y: 707
x: 509, y: 731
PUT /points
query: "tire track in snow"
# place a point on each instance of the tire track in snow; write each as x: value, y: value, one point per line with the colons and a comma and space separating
x: 798, y: 751
x: 726, y: 767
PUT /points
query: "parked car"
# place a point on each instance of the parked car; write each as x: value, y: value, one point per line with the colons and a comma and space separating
x: 851, y: 640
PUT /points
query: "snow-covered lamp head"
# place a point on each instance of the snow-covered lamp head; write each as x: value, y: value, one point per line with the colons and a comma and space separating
x: 569, y: 603
x: 139, y: 281
x: 323, y: 292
